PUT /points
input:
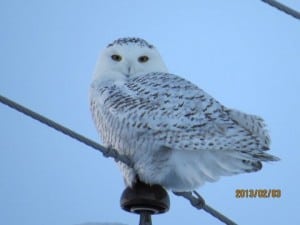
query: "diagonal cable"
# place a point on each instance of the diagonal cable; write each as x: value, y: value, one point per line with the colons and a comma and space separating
x: 107, y: 152
x: 198, y: 202
x: 283, y: 8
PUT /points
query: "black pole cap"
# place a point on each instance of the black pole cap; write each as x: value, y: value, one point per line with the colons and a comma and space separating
x: 142, y: 198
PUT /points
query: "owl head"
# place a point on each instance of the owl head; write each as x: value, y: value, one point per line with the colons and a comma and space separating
x: 126, y: 58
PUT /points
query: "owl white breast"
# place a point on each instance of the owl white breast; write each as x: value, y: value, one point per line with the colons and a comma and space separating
x: 176, y: 134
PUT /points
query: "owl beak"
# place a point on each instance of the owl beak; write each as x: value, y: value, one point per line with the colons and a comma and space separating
x: 129, y: 69
x: 128, y: 72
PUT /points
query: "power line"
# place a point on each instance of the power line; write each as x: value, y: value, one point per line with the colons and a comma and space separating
x: 198, y: 202
x: 107, y: 152
x: 283, y: 8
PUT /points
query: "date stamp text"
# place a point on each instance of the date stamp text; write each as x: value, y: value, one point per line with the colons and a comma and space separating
x: 257, y: 193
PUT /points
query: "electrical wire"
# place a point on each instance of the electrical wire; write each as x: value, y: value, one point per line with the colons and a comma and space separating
x: 107, y: 152
x: 199, y: 203
x: 283, y: 8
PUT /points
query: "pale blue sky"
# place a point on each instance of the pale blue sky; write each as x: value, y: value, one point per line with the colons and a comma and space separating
x: 244, y: 53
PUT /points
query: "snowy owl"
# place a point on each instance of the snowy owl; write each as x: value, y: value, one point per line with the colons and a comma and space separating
x: 176, y: 134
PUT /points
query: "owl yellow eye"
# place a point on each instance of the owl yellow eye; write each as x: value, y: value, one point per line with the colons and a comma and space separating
x: 117, y: 58
x: 143, y: 58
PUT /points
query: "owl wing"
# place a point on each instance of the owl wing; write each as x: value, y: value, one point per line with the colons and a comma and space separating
x: 171, y: 109
x: 206, y: 139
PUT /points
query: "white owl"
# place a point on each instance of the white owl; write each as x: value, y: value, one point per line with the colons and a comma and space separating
x: 176, y: 134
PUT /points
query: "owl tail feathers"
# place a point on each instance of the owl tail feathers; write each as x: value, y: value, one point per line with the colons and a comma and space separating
x: 252, y: 123
x: 264, y: 157
x: 191, y: 169
x: 235, y: 162
x: 253, y: 162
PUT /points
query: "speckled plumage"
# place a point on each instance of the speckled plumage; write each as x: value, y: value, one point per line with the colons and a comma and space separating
x: 177, y: 135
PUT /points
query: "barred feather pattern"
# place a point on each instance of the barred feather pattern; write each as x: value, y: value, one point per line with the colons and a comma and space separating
x: 177, y: 135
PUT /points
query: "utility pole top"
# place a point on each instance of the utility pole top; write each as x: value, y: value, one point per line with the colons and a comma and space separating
x: 145, y: 200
